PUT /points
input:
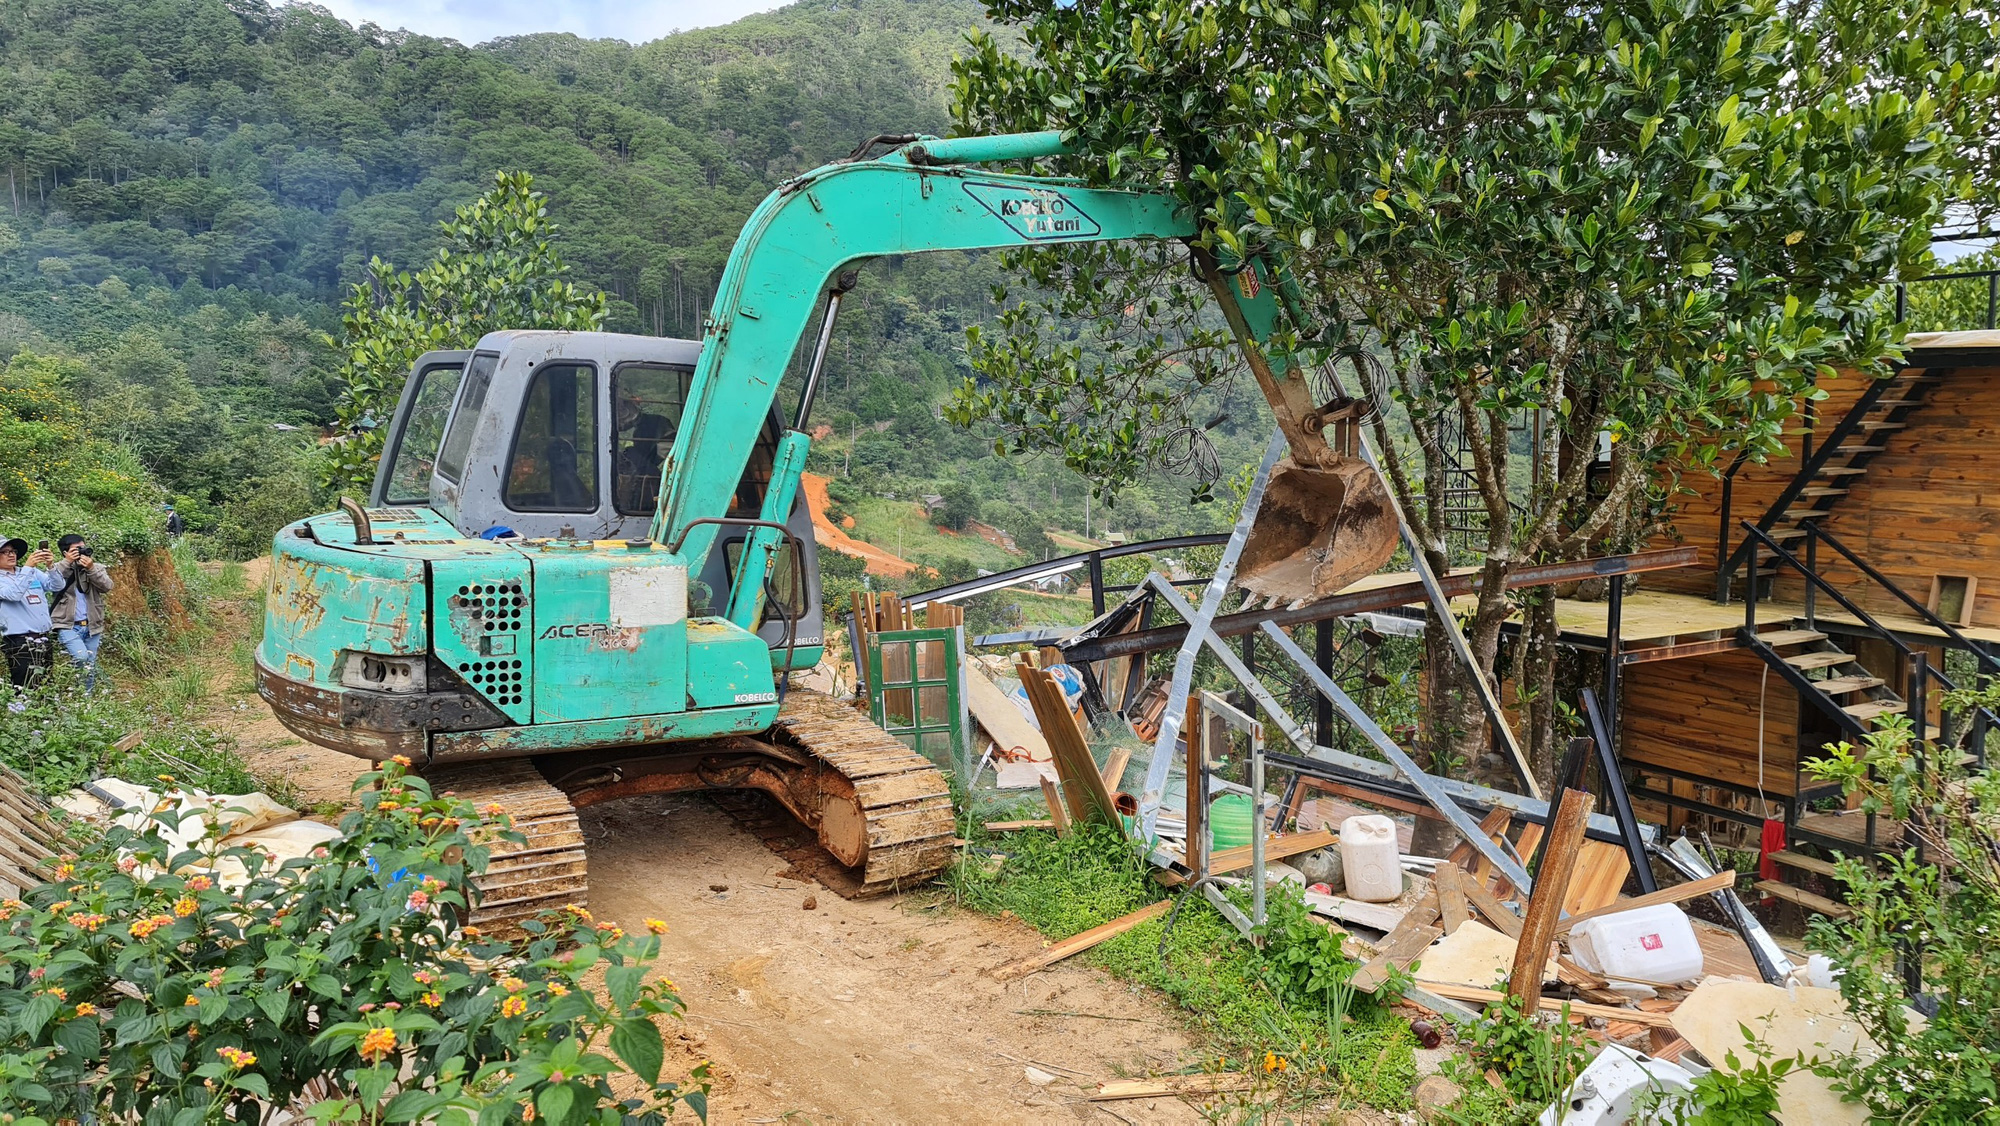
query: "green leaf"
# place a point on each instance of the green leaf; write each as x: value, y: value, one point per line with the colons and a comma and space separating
x: 638, y: 1043
x: 623, y: 983
x: 555, y: 1103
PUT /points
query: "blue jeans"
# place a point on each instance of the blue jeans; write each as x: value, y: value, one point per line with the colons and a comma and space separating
x: 81, y: 645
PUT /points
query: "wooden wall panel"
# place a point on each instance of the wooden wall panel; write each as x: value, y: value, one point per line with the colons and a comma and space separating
x: 1930, y: 503
x: 1699, y: 715
x: 1697, y: 518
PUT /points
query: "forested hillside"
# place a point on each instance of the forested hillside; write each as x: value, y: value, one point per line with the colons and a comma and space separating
x: 191, y: 185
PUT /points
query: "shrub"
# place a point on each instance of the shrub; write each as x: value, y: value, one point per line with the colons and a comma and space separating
x: 135, y: 987
x: 1916, y: 908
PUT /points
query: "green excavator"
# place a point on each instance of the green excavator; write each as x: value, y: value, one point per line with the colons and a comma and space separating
x: 586, y: 572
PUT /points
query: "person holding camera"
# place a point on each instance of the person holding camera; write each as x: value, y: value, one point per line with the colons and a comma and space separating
x: 77, y: 610
x: 24, y: 612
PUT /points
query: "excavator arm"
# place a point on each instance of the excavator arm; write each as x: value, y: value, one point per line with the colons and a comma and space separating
x: 925, y: 196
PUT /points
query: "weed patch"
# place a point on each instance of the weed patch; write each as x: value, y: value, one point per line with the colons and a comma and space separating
x: 1284, y: 1012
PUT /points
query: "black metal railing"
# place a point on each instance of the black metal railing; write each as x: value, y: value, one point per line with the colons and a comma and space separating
x: 1922, y: 674
x: 1992, y: 318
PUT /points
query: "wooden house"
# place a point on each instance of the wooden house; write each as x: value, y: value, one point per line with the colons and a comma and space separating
x: 1866, y: 585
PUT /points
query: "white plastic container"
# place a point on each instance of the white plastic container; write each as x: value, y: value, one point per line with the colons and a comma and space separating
x: 1371, y: 859
x: 1649, y: 944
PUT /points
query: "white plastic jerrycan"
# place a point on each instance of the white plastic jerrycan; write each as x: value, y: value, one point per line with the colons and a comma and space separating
x: 1373, y: 863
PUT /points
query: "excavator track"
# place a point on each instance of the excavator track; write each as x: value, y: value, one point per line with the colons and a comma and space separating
x: 522, y: 879
x: 904, y: 803
x: 883, y: 813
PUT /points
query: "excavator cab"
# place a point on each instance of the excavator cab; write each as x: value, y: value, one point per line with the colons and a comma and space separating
x: 546, y: 434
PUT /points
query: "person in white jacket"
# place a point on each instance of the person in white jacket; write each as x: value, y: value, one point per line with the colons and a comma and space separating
x: 24, y: 611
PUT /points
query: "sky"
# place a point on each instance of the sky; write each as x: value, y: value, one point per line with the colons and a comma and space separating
x: 476, y: 21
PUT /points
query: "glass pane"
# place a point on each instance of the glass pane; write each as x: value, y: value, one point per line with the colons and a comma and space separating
x: 937, y: 706
x: 471, y: 402
x: 554, y: 467
x: 649, y: 399
x: 784, y: 581
x: 896, y: 662
x: 930, y: 660
x: 897, y: 706
x: 423, y: 427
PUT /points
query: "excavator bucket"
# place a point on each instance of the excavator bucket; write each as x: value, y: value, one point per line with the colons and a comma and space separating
x: 1318, y: 531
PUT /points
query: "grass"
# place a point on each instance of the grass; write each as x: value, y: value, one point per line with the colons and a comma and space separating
x: 155, y: 684
x: 1251, y: 1015
x: 896, y: 526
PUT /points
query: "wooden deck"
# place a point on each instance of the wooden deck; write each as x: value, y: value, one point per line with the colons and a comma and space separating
x: 1655, y: 618
x: 1851, y: 825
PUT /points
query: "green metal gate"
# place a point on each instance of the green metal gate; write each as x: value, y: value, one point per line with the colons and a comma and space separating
x: 916, y: 692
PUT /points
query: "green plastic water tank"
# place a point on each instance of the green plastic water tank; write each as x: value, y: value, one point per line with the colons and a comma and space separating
x: 1229, y: 820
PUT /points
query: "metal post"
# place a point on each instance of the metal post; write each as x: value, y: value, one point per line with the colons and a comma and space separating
x: 1096, y: 585
x: 1426, y: 784
x: 1614, y: 789
x: 1902, y: 302
x: 1323, y: 707
x: 1258, y: 827
x: 1614, y: 622
x: 1992, y: 299
x: 1812, y: 568
x: 1750, y: 587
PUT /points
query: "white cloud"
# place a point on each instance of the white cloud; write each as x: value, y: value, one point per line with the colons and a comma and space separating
x: 476, y: 21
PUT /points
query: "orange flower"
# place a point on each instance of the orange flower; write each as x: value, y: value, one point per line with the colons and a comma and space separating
x: 236, y: 1057
x: 184, y: 906
x: 400, y: 760
x: 58, y: 992
x: 657, y: 926
x: 431, y: 999
x: 512, y: 984
x: 377, y: 1043
x: 1270, y: 1061
x: 65, y: 870
x: 558, y: 989
x: 85, y: 1009
x: 86, y: 922
x: 579, y: 912
x: 513, y: 1006
x: 200, y: 883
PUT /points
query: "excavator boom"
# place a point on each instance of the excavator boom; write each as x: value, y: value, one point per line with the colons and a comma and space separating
x: 923, y: 198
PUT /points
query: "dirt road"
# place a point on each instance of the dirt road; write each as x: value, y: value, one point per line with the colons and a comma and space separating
x: 872, y: 1011
x: 884, y: 563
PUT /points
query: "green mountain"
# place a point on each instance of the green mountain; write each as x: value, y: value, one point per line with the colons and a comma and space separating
x: 192, y: 184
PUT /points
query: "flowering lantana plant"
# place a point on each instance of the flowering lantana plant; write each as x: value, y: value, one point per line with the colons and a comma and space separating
x: 340, y: 986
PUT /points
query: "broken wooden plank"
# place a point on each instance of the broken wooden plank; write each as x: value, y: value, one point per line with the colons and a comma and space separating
x: 1379, y: 916
x: 1016, y: 826
x: 1404, y: 945
x: 1171, y: 1086
x: 1058, y: 817
x: 1538, y: 927
x: 1721, y: 881
x: 1077, y: 944
x: 1113, y: 770
x: 1489, y: 906
x: 1001, y: 718
x: 1082, y: 786
x: 1552, y: 1004
x: 1276, y: 847
x: 1449, y: 879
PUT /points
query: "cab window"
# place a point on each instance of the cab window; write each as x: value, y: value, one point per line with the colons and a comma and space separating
x: 471, y: 404
x: 784, y: 594
x: 416, y: 444
x: 647, y: 401
x: 553, y: 466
